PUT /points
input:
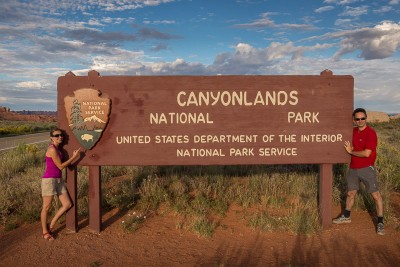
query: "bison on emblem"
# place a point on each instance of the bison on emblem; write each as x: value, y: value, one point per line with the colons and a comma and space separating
x: 87, y: 137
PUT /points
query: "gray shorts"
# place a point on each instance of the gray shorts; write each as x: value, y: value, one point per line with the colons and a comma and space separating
x: 366, y: 175
x: 53, y: 186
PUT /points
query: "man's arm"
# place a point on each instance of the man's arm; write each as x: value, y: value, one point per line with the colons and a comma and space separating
x: 362, y: 154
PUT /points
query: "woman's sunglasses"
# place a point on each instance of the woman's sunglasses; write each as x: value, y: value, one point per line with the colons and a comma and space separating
x: 57, y: 135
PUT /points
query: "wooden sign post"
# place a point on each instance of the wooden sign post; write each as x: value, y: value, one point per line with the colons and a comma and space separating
x: 205, y: 120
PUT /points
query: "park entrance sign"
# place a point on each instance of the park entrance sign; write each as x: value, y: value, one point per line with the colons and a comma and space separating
x: 206, y: 120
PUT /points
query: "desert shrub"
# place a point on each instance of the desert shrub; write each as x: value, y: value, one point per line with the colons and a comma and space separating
x: 273, y: 197
x: 20, y: 197
x: 24, y: 127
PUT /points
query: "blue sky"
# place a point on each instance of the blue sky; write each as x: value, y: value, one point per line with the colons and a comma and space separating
x: 41, y: 40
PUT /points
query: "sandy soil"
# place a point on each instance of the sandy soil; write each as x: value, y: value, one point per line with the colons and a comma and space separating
x: 159, y: 243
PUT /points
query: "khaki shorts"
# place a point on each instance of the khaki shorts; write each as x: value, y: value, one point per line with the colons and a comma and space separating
x: 53, y: 186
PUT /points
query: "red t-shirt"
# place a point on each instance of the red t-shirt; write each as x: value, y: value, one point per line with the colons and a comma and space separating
x: 365, y: 139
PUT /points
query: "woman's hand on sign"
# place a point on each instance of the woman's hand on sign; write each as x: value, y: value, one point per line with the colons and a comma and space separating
x: 75, y: 154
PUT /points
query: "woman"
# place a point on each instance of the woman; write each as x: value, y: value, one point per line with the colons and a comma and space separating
x: 52, y: 183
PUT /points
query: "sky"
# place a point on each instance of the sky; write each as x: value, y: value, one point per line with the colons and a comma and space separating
x: 41, y: 40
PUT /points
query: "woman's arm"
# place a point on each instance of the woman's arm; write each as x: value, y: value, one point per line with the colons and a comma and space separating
x: 52, y: 152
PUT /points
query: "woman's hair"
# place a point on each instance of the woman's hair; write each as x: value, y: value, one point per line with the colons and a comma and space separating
x: 53, y: 130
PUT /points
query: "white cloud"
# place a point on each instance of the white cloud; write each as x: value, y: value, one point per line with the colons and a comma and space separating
x: 250, y: 60
x: 381, y: 93
x: 179, y: 66
x: 341, y: 2
x: 266, y: 22
x: 157, y: 22
x: 259, y: 23
x: 34, y: 85
x: 347, y: 2
x: 342, y: 22
x: 379, y: 42
x: 324, y: 9
x: 383, y: 9
x: 355, y: 11
x: 119, y: 62
x: 95, y: 22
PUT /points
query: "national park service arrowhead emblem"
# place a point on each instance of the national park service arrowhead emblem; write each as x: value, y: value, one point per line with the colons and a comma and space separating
x: 88, y: 114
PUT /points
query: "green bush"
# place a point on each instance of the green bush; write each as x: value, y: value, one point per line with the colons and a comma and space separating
x: 9, y: 128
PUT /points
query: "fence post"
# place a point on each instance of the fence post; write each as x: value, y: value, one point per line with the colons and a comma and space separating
x: 325, y: 194
x: 72, y: 213
x: 95, y: 198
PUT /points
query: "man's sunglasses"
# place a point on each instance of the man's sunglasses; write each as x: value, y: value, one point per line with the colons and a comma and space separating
x: 360, y: 119
x: 57, y: 135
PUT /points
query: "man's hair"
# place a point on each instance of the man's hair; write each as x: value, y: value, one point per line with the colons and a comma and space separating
x: 357, y: 110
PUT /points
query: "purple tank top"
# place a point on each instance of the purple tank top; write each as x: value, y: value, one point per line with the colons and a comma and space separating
x: 52, y: 171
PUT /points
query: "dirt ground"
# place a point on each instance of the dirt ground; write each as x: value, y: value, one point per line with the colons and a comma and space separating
x: 160, y: 243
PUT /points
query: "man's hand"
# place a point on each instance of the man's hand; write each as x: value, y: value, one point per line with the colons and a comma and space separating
x: 348, y: 147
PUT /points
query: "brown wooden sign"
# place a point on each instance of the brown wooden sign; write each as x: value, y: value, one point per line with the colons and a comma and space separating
x: 207, y: 120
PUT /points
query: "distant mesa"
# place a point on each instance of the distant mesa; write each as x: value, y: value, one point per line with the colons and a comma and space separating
x: 395, y: 116
x: 377, y: 116
x: 27, y: 115
x: 4, y: 109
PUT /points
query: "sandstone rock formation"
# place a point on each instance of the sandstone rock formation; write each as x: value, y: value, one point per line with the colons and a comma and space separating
x: 377, y: 116
x: 397, y: 116
x: 7, y: 114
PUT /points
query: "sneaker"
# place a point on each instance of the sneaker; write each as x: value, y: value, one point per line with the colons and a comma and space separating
x: 341, y: 219
x: 380, y: 229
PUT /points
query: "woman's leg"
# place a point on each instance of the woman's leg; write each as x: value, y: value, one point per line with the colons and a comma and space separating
x: 45, y: 209
x: 65, y: 205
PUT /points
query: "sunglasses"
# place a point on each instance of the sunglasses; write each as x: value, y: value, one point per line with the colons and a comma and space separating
x: 360, y: 119
x: 57, y: 135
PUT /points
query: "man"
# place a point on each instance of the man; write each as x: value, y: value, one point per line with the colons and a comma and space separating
x: 363, y: 155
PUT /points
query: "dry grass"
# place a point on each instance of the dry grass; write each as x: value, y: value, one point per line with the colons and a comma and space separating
x: 280, y: 197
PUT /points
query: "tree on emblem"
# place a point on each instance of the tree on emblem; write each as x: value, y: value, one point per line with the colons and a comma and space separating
x: 76, y: 115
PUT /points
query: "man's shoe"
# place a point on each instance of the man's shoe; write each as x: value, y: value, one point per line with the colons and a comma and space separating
x: 341, y: 219
x: 380, y: 229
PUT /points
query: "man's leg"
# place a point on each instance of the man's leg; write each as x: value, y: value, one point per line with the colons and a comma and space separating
x: 345, y: 217
x: 378, y: 202
x: 350, y: 199
x: 380, y: 229
x: 352, y: 188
